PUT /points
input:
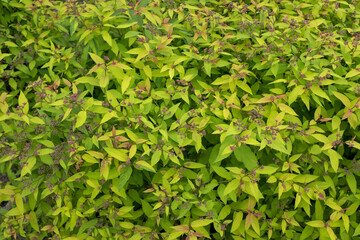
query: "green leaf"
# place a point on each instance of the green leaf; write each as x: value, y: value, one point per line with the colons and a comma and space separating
x: 119, y: 154
x: 255, y: 225
x: 155, y: 157
x: 297, y: 91
x: 75, y: 176
x: 45, y: 151
x: 125, y: 83
x: 225, y: 211
x: 222, y: 172
x: 73, y: 26
x: 207, y: 67
x: 232, y: 186
x: 34, y: 221
x: 146, y: 166
x: 307, y: 232
x: 334, y: 159
x: 357, y: 231
x: 193, y: 165
x: 126, y: 24
x: 171, y: 111
x: 89, y: 80
x: 285, y: 108
x: 253, y: 189
x: 81, y: 118
x: 148, y: 71
x: 352, y: 73
x: 96, y: 58
x: 319, y: 92
x: 87, y: 225
x: 106, y: 36
x: 90, y: 159
x: 238, y: 217
x: 346, y: 222
x: 267, y: 170
x: 201, y: 223
x: 124, y: 177
x: 275, y: 68
x: 148, y: 210
x: 107, y: 117
x: 22, y: 99
x: 197, y: 139
x: 351, y: 180
x: 104, y: 81
x: 19, y: 203
x: 343, y: 99
x: 316, y: 223
x: 245, y: 155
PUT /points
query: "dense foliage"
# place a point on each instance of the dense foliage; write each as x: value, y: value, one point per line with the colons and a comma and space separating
x: 179, y: 119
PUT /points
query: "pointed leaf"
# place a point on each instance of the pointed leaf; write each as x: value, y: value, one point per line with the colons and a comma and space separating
x: 232, y: 186
x: 201, y: 223
x: 119, y: 154
x: 146, y: 166
x: 81, y: 118
x: 245, y: 155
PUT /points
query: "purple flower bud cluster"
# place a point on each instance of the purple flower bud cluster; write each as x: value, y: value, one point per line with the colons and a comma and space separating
x: 139, y: 92
x: 155, y: 30
x: 241, y: 140
x: 338, y: 141
x: 73, y: 100
x: 26, y: 183
x: 19, y: 109
x: 240, y: 126
x: 181, y: 87
x: 293, y: 126
x: 102, y: 223
x: 184, y: 205
x: 48, y: 183
x: 164, y: 111
x: 192, y: 113
x: 357, y: 90
x: 143, y: 40
x: 35, y: 84
x: 158, y: 146
x: 173, y: 153
x: 180, y: 171
x: 188, y: 127
x: 255, y: 115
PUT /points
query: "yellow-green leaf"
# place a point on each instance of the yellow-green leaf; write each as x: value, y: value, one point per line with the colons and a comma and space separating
x: 23, y: 102
x: 334, y: 159
x: 147, y: 71
x: 351, y: 180
x: 19, y: 203
x: 344, y: 99
x: 352, y: 73
x: 96, y: 58
x: 357, y: 230
x: 201, y: 223
x: 81, y: 118
x: 106, y: 36
x: 90, y: 159
x: 285, y: 108
x: 316, y: 223
x: 319, y: 92
x: 238, y: 217
x: 146, y: 166
x: 33, y: 221
x: 232, y: 186
x: 126, y: 24
x: 119, y: 154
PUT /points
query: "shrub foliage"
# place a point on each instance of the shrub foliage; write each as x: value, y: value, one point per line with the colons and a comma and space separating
x: 179, y: 119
